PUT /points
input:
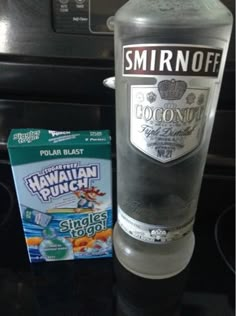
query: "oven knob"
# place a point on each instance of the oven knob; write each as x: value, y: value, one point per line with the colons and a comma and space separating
x: 110, y: 23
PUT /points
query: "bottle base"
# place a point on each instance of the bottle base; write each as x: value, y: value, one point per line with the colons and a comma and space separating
x: 152, y: 261
x: 148, y: 276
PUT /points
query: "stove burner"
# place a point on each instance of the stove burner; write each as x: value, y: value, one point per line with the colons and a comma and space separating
x: 225, y: 237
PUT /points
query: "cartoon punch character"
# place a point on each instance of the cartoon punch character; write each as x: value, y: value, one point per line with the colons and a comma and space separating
x: 88, y: 199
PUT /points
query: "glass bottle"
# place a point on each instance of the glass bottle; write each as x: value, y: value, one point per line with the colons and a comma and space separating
x: 169, y: 63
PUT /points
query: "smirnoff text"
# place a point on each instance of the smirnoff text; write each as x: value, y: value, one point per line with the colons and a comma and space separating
x: 147, y: 59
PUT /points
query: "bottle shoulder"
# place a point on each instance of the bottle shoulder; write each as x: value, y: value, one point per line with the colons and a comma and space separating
x: 179, y: 13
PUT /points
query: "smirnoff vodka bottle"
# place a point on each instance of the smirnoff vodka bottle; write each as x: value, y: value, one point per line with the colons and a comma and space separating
x: 170, y: 57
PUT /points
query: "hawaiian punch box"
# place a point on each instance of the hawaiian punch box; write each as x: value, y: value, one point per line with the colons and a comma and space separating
x: 63, y: 184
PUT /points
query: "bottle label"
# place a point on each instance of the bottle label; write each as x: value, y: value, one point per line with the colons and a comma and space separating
x: 168, y: 114
x: 154, y: 234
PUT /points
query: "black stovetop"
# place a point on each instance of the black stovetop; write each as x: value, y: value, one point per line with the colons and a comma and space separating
x: 103, y: 287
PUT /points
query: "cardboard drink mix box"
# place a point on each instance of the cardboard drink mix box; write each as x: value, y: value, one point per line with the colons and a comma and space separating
x: 63, y: 184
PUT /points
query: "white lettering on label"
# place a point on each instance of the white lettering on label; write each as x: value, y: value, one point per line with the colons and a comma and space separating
x: 197, y: 61
x: 182, y: 61
x: 140, y: 60
x: 151, y: 60
x: 128, y: 53
x: 165, y: 59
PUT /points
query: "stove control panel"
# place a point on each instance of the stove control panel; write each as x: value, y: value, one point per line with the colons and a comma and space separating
x: 85, y: 16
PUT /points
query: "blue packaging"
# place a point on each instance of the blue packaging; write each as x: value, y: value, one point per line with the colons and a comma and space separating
x: 63, y: 184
